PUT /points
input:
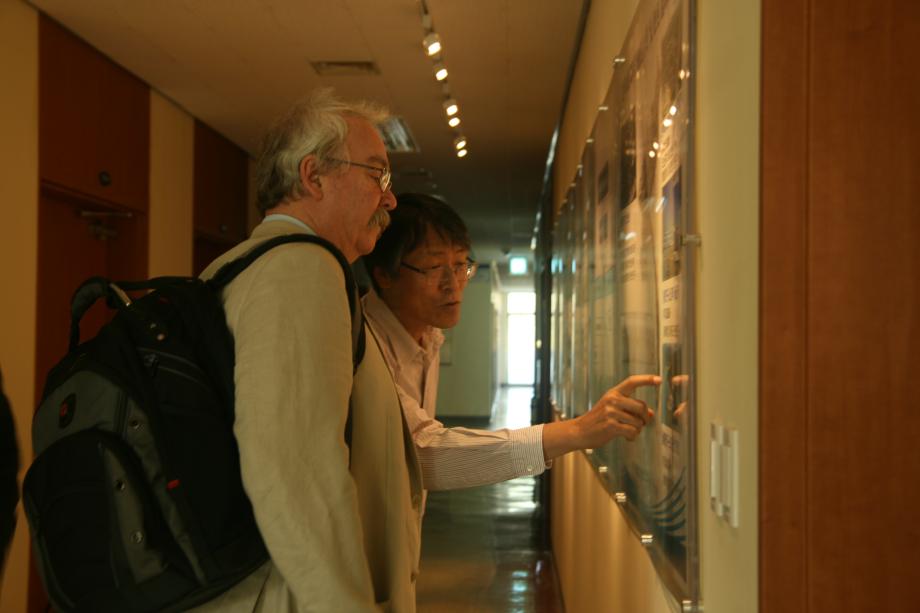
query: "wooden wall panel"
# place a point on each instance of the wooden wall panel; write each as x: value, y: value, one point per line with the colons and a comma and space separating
x: 837, y: 412
x: 864, y: 304
x: 221, y: 186
x: 94, y: 117
x: 783, y: 427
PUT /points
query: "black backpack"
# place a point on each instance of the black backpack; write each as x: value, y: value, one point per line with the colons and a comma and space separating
x: 135, y: 497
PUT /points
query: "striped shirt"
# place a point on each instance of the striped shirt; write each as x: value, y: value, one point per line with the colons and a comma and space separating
x: 451, y: 458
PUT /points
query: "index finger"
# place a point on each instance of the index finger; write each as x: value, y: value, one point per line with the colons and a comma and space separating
x: 628, y: 386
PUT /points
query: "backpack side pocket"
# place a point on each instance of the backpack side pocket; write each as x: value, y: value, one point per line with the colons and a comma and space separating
x: 97, y: 525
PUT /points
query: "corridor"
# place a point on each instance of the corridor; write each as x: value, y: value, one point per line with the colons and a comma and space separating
x: 480, y: 546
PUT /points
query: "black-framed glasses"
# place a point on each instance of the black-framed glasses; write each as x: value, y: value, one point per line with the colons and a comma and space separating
x: 384, y: 179
x: 434, y: 275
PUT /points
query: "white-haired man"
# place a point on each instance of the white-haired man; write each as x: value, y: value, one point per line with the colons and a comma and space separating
x: 340, y: 524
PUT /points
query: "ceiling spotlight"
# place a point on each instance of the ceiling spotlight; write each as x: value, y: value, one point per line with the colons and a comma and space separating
x: 454, y: 121
x: 450, y: 107
x: 462, y: 153
x: 440, y: 72
x: 432, y: 44
x: 460, y: 142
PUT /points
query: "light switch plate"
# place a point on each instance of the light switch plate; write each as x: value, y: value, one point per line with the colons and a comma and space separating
x: 723, y: 472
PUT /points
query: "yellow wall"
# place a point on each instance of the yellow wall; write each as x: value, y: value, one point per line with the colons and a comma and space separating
x: 728, y: 203
x: 18, y: 249
x: 605, y: 31
x: 601, y: 564
x: 253, y: 217
x: 172, y: 158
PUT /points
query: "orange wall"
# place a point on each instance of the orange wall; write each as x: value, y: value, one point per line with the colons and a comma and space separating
x: 18, y: 248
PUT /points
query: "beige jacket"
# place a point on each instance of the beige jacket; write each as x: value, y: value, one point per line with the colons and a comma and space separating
x: 341, y: 539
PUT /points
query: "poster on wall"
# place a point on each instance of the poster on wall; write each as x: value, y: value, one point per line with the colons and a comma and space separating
x: 627, y: 284
x: 603, y: 280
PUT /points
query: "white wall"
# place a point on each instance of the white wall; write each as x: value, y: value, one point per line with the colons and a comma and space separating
x: 465, y: 389
x: 601, y: 564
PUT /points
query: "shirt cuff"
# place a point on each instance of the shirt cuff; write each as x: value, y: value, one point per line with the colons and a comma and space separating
x: 528, y: 450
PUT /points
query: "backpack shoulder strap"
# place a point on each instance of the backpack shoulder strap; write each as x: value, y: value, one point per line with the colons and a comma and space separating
x: 230, y: 270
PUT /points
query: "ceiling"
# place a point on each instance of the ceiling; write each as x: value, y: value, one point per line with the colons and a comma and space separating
x: 237, y: 64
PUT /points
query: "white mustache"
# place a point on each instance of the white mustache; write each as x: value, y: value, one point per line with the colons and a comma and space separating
x: 381, y: 219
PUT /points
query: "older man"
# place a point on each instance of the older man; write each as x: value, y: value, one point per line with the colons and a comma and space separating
x: 340, y: 523
x: 420, y: 268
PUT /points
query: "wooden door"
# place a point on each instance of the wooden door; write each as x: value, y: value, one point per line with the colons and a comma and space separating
x: 94, y: 121
x: 221, y: 178
x: 221, y: 195
x: 840, y: 307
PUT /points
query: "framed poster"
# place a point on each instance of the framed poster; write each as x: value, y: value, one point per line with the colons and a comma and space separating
x: 626, y: 285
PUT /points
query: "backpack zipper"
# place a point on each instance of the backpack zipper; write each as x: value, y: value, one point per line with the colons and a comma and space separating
x: 185, y: 376
x: 170, y: 356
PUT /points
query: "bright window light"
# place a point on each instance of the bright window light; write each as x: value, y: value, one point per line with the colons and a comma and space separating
x: 522, y: 302
x: 518, y: 265
x: 520, y: 347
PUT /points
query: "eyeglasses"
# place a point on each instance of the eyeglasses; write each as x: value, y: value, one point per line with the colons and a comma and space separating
x: 434, y: 275
x: 384, y: 179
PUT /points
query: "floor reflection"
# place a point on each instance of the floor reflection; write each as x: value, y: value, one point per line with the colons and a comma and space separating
x: 480, y: 546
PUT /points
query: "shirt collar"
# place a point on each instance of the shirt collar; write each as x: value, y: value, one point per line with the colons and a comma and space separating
x: 288, y: 219
x: 404, y: 346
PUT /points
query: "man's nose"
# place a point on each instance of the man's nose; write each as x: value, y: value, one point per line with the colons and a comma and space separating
x: 449, y: 280
x: 388, y: 200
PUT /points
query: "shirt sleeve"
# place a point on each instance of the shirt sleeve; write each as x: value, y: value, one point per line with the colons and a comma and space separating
x: 453, y: 458
x: 291, y: 324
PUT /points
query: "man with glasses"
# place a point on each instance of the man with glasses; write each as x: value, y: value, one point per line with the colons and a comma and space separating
x: 419, y: 269
x: 340, y: 522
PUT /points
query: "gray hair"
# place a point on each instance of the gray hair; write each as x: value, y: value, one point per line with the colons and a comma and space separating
x: 315, y: 126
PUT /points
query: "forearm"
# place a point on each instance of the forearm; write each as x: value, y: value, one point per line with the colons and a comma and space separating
x: 454, y: 458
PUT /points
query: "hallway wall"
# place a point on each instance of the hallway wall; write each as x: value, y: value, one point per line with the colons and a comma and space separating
x: 170, y: 235
x: 172, y: 158
x: 18, y: 250
x: 597, y: 569
x: 466, y: 384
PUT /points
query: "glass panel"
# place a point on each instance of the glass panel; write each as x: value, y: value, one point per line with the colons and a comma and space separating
x: 656, y: 475
x: 623, y: 284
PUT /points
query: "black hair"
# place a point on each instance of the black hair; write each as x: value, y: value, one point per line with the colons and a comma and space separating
x: 409, y: 223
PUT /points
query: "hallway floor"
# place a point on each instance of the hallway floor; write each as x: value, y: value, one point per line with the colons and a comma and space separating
x: 480, y: 546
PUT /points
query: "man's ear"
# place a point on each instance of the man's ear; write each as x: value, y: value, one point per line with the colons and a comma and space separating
x: 310, y: 181
x: 381, y: 278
